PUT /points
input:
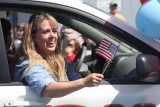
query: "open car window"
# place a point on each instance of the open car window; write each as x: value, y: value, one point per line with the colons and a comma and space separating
x: 91, y: 32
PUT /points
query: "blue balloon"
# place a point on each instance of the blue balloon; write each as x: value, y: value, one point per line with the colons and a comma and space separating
x: 148, y: 19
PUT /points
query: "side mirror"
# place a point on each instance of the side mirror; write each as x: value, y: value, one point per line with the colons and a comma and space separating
x: 148, y: 68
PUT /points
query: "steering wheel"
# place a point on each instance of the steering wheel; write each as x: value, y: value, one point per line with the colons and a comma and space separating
x: 78, y: 60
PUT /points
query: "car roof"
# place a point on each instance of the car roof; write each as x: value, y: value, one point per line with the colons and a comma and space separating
x: 79, y: 4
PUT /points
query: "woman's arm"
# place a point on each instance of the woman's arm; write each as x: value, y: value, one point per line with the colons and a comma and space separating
x: 59, y: 89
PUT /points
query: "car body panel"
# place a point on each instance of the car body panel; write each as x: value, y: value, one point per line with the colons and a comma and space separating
x: 126, y: 95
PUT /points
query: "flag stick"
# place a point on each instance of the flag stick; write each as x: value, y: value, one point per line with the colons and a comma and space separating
x: 105, y: 67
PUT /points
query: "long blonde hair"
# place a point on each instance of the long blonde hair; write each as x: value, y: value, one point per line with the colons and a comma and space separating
x: 54, y: 63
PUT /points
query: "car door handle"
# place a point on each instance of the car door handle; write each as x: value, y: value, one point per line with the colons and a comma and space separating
x: 23, y: 104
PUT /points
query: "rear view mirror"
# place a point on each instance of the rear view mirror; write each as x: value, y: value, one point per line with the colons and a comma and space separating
x: 148, y: 68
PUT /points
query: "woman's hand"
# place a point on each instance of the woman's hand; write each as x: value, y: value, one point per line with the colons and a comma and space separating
x: 93, y: 79
x: 59, y: 89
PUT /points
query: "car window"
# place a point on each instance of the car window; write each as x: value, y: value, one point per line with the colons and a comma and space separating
x: 89, y: 31
x: 92, y: 32
x: 123, y: 44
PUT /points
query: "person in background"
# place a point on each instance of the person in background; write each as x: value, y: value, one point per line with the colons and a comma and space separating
x: 40, y: 63
x: 71, y: 50
x: 91, y: 46
x: 67, y: 34
x: 113, y: 7
x: 20, y: 33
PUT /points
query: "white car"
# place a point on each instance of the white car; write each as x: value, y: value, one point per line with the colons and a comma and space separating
x: 131, y: 79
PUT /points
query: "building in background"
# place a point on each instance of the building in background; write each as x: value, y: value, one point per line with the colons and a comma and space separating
x: 127, y: 8
x: 2, y: 14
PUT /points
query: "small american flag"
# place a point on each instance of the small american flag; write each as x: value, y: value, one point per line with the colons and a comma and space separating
x: 107, y: 49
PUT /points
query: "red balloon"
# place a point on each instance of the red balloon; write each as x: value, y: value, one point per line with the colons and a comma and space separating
x: 143, y: 1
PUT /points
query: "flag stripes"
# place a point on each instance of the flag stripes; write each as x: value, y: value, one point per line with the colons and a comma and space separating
x: 107, y: 49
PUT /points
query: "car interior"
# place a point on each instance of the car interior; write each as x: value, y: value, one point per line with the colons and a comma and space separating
x: 121, y: 70
x: 125, y: 53
x: 124, y: 59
